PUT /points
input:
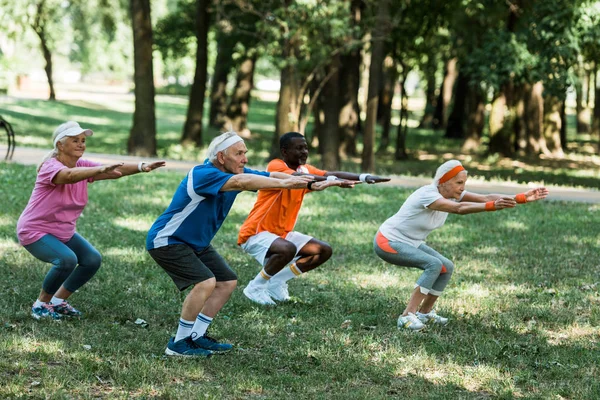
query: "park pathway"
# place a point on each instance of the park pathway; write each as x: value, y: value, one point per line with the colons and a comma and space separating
x: 32, y: 156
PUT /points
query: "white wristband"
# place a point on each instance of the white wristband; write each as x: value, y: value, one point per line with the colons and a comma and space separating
x: 332, y: 178
x: 140, y: 166
x: 363, y: 177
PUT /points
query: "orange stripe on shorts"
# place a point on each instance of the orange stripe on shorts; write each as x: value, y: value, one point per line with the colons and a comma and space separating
x: 384, y: 243
x: 444, y: 270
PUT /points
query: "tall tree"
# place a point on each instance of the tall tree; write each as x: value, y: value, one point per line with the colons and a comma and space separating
x: 239, y: 104
x: 380, y: 31
x: 142, y: 137
x: 192, y: 130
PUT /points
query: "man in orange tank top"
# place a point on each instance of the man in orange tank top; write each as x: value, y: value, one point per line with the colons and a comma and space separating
x: 268, y: 233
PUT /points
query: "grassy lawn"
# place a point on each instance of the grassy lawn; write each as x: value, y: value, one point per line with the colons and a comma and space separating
x: 111, y: 118
x: 524, y: 307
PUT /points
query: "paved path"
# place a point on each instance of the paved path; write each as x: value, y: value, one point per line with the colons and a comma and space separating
x: 31, y: 156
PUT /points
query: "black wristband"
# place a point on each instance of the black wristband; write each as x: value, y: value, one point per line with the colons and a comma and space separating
x: 309, y: 185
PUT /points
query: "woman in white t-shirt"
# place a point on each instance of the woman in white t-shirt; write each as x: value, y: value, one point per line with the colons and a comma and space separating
x: 401, y: 238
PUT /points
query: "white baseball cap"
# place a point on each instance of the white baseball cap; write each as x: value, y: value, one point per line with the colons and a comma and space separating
x: 70, y: 128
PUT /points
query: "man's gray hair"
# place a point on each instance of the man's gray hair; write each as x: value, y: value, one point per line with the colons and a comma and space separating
x: 217, y: 144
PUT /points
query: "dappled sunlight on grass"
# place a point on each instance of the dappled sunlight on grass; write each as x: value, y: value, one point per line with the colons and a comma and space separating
x: 26, y: 345
x: 381, y: 281
x: 132, y: 223
x: 588, y: 335
x: 514, y: 225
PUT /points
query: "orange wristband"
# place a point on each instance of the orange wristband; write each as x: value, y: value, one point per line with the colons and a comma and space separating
x: 490, y: 206
x: 521, y: 198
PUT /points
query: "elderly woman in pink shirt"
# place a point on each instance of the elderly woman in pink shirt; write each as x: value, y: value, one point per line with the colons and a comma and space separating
x: 46, y: 228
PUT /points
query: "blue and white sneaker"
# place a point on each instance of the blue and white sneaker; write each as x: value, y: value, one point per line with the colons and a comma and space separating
x: 186, y: 348
x: 46, y: 310
x: 208, y: 343
x: 67, y: 310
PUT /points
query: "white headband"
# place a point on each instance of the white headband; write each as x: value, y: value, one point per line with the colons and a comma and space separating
x: 227, y: 143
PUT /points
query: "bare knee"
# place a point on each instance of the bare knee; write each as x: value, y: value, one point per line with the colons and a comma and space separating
x: 227, y: 286
x: 287, y: 252
x: 206, y: 286
x: 326, y: 252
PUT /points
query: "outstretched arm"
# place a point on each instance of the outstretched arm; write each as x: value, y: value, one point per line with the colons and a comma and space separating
x: 367, y: 178
x: 526, y: 197
x: 465, y: 207
x: 243, y: 182
x: 73, y: 175
x: 131, y: 168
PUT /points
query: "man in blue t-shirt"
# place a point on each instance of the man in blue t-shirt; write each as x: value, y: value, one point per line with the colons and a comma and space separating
x: 179, y: 240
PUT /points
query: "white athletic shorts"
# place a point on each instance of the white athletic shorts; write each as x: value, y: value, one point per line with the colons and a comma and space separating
x: 258, y: 245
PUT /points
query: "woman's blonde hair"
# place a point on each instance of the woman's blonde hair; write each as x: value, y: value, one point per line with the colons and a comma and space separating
x: 54, y: 152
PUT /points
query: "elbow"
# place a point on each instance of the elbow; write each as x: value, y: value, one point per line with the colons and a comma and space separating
x: 461, y: 210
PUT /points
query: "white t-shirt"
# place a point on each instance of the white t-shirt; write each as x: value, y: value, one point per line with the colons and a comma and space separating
x: 414, y: 221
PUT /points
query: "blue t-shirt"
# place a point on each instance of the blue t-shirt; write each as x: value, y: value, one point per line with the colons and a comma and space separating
x: 197, y: 210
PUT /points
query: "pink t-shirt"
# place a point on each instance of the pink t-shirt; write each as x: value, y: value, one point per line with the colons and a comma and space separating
x: 53, y: 209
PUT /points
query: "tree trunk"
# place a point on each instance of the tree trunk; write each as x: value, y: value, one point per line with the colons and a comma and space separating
x: 38, y: 27
x: 350, y: 113
x: 456, y: 120
x: 237, y: 111
x: 349, y: 84
x: 520, y: 127
x: 375, y: 73
x: 563, y: 124
x: 390, y: 79
x: 218, y: 93
x: 580, y: 111
x: 142, y: 137
x: 285, y: 120
x: 400, y: 153
x: 500, y: 126
x: 330, y: 142
x: 475, y: 119
x: 553, y: 125
x: 534, y: 119
x: 596, y: 118
x: 192, y: 131
x: 430, y: 99
x: 440, y: 116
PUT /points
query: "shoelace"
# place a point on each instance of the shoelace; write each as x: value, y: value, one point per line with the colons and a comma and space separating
x: 210, y: 339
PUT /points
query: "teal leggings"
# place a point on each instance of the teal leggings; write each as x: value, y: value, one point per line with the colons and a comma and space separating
x: 73, y: 263
x: 437, y: 269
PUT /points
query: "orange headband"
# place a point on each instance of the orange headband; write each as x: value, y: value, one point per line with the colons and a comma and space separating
x: 451, y: 174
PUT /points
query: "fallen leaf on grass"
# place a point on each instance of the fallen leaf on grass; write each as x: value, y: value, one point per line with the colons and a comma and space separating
x: 346, y: 324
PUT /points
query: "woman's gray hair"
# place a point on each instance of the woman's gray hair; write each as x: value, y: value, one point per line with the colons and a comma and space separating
x: 214, y: 146
x: 54, y: 152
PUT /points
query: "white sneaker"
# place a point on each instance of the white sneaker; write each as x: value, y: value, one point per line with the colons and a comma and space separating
x: 411, y: 322
x: 258, y: 294
x: 278, y: 291
x: 432, y: 318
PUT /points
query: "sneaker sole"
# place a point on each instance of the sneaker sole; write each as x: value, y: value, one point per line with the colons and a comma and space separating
x: 170, y: 352
x: 256, y: 301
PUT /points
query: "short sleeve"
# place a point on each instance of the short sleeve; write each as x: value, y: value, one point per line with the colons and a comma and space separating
x: 315, y: 171
x: 49, y: 170
x: 208, y: 181
x: 88, y: 163
x: 255, y: 172
x: 429, y: 195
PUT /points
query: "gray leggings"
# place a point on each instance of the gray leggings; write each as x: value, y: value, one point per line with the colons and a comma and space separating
x: 437, y: 269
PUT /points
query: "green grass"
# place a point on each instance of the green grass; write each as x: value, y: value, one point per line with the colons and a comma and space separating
x: 523, y: 305
x: 110, y: 117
